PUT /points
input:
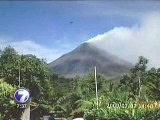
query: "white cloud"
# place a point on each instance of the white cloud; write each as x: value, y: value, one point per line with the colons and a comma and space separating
x: 30, y: 47
x: 129, y: 43
x: 129, y: 9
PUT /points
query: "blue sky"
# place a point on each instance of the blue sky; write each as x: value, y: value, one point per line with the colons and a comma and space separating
x: 50, y: 29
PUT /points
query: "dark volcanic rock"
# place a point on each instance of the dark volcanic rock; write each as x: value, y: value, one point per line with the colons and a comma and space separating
x: 83, y: 59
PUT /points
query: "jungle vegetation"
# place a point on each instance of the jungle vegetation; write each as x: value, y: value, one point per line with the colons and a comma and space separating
x: 75, y: 97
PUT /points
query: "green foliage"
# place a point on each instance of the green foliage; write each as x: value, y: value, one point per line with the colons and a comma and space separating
x: 7, y: 104
x: 153, y: 84
x: 122, y: 114
x: 136, y: 79
x: 88, y: 85
x: 33, y: 72
x: 9, y: 65
x: 139, y: 84
x: 66, y: 96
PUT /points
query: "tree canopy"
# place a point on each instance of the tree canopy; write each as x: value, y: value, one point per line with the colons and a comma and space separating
x: 71, y: 97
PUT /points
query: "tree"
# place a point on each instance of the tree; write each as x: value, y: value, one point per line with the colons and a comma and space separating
x: 34, y: 73
x: 88, y: 84
x: 7, y: 104
x: 34, y: 76
x: 153, y: 84
x: 135, y: 80
x: 9, y: 65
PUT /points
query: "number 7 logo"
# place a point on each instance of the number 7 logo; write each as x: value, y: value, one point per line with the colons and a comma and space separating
x: 21, y: 95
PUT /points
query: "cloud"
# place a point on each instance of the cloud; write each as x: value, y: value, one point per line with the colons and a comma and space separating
x: 30, y: 47
x: 130, y: 9
x: 128, y: 43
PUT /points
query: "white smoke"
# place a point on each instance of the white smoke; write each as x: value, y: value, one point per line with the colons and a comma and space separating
x: 129, y: 43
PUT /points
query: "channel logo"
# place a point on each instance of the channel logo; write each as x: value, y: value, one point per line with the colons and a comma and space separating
x: 21, y: 95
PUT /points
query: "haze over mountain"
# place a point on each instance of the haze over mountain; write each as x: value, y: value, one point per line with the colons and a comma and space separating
x: 83, y: 59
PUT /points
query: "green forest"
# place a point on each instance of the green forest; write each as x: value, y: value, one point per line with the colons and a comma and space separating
x: 75, y: 97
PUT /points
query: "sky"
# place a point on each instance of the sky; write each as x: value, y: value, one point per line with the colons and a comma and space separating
x: 49, y: 29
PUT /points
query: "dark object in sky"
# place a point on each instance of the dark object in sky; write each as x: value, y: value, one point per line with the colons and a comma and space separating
x: 83, y: 59
x: 71, y: 22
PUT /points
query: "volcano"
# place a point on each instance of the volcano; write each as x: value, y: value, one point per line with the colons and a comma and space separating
x: 82, y: 60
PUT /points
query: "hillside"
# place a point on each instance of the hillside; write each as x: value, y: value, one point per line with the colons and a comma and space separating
x: 83, y: 59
